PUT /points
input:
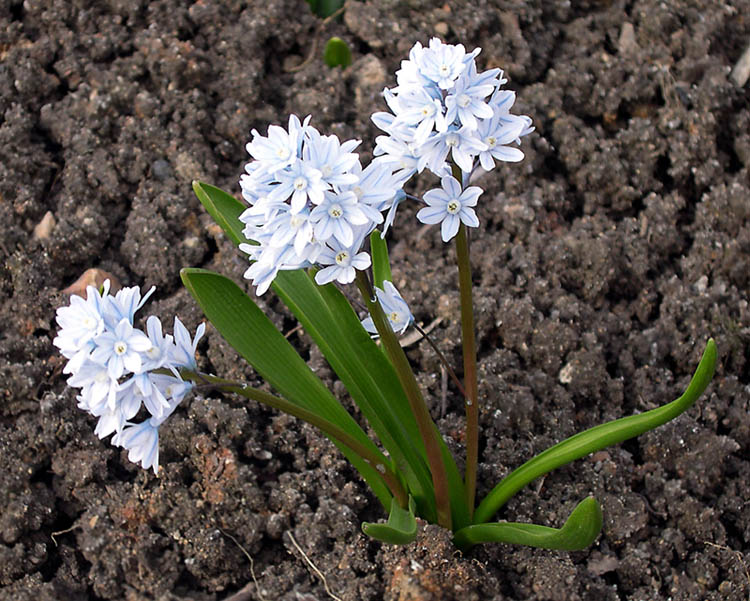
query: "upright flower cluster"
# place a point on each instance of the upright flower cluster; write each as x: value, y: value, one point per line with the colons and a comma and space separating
x: 312, y: 203
x: 444, y: 110
x: 113, y: 364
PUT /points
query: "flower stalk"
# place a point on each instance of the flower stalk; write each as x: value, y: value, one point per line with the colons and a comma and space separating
x: 470, y: 365
x: 426, y: 426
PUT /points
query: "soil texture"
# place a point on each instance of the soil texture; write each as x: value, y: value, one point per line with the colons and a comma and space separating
x: 603, y: 263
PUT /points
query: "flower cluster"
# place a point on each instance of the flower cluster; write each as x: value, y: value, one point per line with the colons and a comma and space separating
x: 114, y: 365
x: 312, y: 203
x: 443, y: 109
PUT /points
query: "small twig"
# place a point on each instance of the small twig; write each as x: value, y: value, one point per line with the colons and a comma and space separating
x: 294, y: 330
x: 243, y: 594
x: 314, y: 568
x: 314, y: 46
x: 59, y: 532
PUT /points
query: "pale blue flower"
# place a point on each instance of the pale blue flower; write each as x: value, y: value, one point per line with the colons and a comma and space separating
x: 142, y: 443
x: 450, y: 206
x: 301, y: 181
x: 121, y: 349
x: 280, y: 148
x: 466, y: 100
x: 339, y: 214
x: 341, y: 264
x: 333, y: 159
x: 124, y: 305
x: 183, y: 353
x: 395, y: 308
x: 463, y: 145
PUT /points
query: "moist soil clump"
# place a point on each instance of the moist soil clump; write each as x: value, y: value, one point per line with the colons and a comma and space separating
x: 603, y: 263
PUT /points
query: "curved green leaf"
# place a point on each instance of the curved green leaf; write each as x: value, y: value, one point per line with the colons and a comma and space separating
x: 578, y: 532
x: 247, y: 329
x: 400, y: 529
x: 597, y: 438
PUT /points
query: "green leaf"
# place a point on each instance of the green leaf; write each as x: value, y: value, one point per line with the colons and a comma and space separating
x: 381, y: 266
x: 578, y: 532
x: 247, y: 329
x: 597, y: 438
x: 224, y: 208
x: 400, y: 529
x: 337, y: 53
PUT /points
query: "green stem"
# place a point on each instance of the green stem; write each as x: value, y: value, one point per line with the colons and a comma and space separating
x: 470, y: 365
x: 425, y: 424
x: 374, y: 458
x: 597, y: 438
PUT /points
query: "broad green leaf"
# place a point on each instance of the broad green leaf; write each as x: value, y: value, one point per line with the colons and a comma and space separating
x: 247, y: 329
x: 381, y: 266
x: 578, y: 532
x: 597, y: 438
x: 337, y: 53
x: 400, y: 529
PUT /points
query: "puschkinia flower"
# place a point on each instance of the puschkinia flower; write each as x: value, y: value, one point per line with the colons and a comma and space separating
x: 450, y: 206
x: 395, y: 309
x: 113, y: 364
x: 444, y: 111
x: 312, y: 203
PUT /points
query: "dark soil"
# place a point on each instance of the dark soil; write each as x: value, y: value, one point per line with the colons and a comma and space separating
x: 604, y: 262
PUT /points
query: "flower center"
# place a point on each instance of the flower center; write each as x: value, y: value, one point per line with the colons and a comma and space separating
x: 336, y: 211
x: 296, y: 221
x: 451, y: 140
x: 89, y: 323
x: 444, y: 69
x: 153, y: 353
x: 453, y: 207
x: 358, y: 192
x: 282, y: 153
x: 491, y: 141
x: 342, y: 257
x: 120, y: 347
x: 463, y: 101
x: 300, y: 183
x: 394, y: 317
x: 326, y: 170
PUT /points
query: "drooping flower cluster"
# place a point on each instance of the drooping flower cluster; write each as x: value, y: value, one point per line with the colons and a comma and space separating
x: 312, y: 203
x: 444, y: 110
x: 113, y: 364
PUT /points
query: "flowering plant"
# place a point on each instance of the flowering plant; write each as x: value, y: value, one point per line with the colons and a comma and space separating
x: 310, y: 224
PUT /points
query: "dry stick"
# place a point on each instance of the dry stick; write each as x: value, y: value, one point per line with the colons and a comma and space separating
x: 314, y: 46
x: 314, y: 567
x: 244, y: 593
